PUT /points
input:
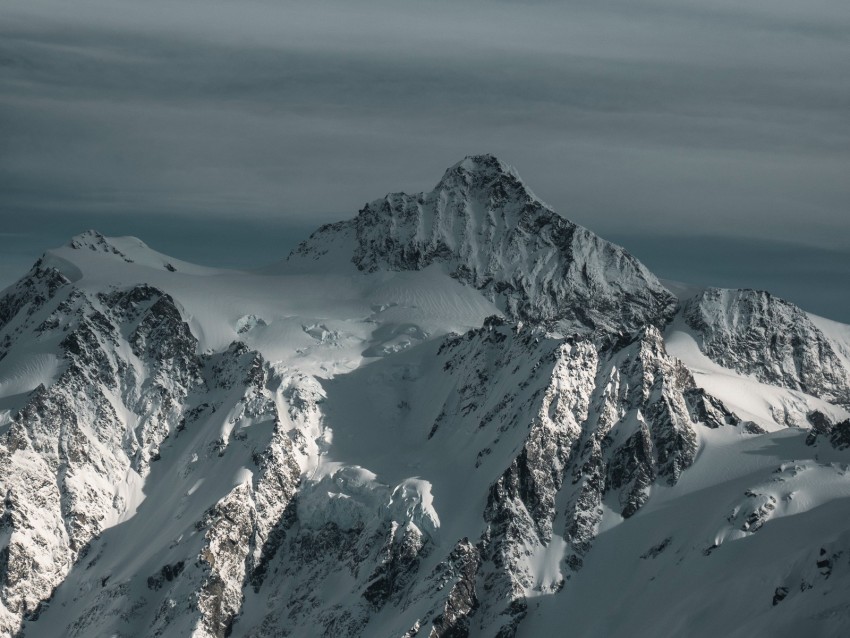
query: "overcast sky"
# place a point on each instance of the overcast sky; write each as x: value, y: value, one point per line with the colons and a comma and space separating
x: 720, y: 123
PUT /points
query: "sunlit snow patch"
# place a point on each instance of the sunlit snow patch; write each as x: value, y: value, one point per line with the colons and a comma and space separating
x: 249, y: 322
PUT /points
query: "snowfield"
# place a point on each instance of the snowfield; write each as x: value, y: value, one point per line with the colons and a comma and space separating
x: 458, y: 414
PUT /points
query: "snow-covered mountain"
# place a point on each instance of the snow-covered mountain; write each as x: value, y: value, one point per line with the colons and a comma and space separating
x: 482, y: 226
x: 458, y: 414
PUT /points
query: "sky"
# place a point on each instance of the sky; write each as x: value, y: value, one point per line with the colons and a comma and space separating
x: 711, y: 138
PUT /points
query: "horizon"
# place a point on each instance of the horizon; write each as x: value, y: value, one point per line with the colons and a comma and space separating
x: 706, y: 261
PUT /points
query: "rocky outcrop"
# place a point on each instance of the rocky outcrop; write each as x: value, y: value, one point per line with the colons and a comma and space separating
x: 21, y: 301
x: 68, y: 444
x: 753, y: 332
x: 837, y: 434
x: 131, y: 379
x: 461, y: 570
x: 94, y: 241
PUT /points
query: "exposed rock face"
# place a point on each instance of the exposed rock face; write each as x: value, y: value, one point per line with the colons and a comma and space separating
x: 130, y: 379
x: 756, y: 333
x: 22, y: 300
x: 462, y: 570
x: 488, y: 230
x: 577, y: 420
x: 838, y: 434
x: 94, y: 241
x: 67, y: 444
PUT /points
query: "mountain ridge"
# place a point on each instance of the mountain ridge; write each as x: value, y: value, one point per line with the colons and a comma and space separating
x: 378, y: 441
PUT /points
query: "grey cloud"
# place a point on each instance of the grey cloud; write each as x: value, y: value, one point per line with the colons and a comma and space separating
x: 628, y: 117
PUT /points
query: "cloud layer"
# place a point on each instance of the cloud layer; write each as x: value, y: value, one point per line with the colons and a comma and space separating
x: 630, y: 117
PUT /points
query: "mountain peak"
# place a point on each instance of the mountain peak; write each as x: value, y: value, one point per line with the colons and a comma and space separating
x: 486, y: 229
x: 88, y: 249
x: 93, y: 240
x: 485, y: 174
x: 485, y: 164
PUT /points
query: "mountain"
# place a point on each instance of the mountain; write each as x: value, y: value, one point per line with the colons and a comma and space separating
x: 483, y: 227
x: 457, y: 414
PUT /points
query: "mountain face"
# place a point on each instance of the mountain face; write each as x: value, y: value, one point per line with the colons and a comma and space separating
x: 457, y: 414
x: 758, y: 334
x: 485, y: 228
